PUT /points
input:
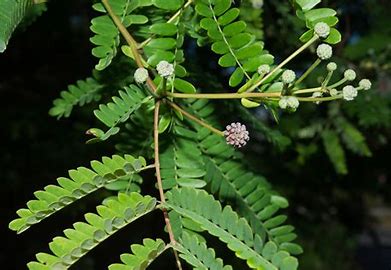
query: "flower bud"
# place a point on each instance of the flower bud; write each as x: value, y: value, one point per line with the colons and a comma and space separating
x: 350, y: 75
x: 333, y: 92
x: 324, y: 51
x: 349, y: 92
x: 141, y: 75
x: 288, y: 76
x: 365, y: 84
x: 257, y: 4
x: 332, y: 66
x: 263, y: 69
x: 293, y: 103
x: 322, y: 29
x: 165, y: 69
x: 236, y: 135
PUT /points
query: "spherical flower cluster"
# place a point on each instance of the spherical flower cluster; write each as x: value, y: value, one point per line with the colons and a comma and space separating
x: 289, y: 103
x: 141, y: 75
x: 288, y: 76
x: 236, y: 135
x: 263, y: 69
x: 349, y: 92
x: 350, y: 74
x: 365, y: 84
x: 332, y: 66
x: 322, y: 29
x: 258, y: 4
x: 165, y: 69
x: 333, y: 92
x: 324, y: 51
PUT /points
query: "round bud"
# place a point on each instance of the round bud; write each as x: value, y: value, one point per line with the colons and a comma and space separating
x: 317, y: 94
x: 257, y: 4
x: 349, y: 92
x: 324, y: 51
x: 365, y: 84
x: 322, y: 29
x: 333, y: 92
x: 236, y: 134
x: 293, y: 102
x: 283, y: 103
x: 165, y: 69
x: 288, y: 76
x: 350, y: 74
x: 263, y: 69
x: 332, y: 66
x: 141, y: 75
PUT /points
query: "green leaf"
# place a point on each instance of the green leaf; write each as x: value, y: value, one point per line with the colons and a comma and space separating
x: 334, y: 150
x: 168, y: 4
x: 307, y: 4
x: 164, y: 29
x: 334, y: 36
x: 184, y: 86
x: 164, y: 122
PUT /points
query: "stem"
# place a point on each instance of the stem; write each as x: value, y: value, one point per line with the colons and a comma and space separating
x: 309, y: 70
x: 224, y: 95
x: 195, y: 119
x: 311, y: 99
x: 309, y: 90
x: 173, y: 18
x: 130, y: 40
x: 286, y: 61
x: 159, y: 180
x: 342, y: 81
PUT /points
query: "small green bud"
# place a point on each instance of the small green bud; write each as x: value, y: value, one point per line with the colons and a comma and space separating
x: 350, y: 75
x: 333, y: 92
x: 365, y: 84
x: 141, y: 75
x: 263, y: 69
x: 332, y: 66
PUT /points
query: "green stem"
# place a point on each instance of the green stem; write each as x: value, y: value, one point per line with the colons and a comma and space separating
x: 309, y: 90
x: 327, y: 80
x: 195, y: 119
x: 286, y: 61
x: 311, y: 99
x: 309, y: 70
x: 224, y: 95
x: 342, y: 81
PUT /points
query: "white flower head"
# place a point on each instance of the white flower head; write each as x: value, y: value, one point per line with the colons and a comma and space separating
x: 349, y: 92
x: 263, y: 69
x: 324, y: 51
x: 165, y: 69
x: 236, y: 134
x: 293, y: 102
x: 322, y: 29
x: 257, y: 4
x: 333, y: 92
x: 141, y: 75
x: 350, y: 74
x: 288, y: 76
x: 332, y: 66
x: 283, y: 103
x: 365, y: 84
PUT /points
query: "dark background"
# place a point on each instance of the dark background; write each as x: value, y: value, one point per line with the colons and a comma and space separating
x: 36, y: 148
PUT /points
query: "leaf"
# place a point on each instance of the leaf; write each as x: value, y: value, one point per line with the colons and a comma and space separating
x: 184, y: 86
x: 307, y: 4
x: 168, y: 4
x: 81, y: 93
x: 80, y: 183
x: 113, y: 215
x: 12, y: 13
x: 334, y: 150
x: 198, y: 254
x: 143, y: 255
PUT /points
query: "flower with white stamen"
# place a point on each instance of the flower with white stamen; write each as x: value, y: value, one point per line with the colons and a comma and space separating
x: 288, y: 76
x: 141, y: 75
x: 349, y: 92
x: 365, y: 84
x: 236, y: 134
x: 165, y: 69
x: 263, y: 69
x: 322, y: 29
x: 324, y: 51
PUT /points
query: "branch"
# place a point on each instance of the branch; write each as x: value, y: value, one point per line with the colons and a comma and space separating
x: 224, y: 95
x: 159, y: 180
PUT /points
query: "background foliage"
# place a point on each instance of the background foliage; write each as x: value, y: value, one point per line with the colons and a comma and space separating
x: 319, y: 195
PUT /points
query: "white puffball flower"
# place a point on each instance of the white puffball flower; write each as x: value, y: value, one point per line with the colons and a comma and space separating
x: 350, y: 74
x: 349, y: 92
x: 141, y: 75
x: 293, y: 102
x: 236, y: 134
x: 283, y: 103
x: 333, y: 92
x: 288, y: 76
x: 165, y: 69
x: 322, y: 29
x: 332, y: 66
x: 263, y: 69
x: 324, y: 51
x: 257, y: 4
x: 365, y: 84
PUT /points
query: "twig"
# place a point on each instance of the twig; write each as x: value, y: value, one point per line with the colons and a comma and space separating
x: 224, y: 95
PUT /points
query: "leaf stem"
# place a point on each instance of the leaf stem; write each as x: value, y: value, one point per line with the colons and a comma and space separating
x: 159, y: 179
x: 224, y: 95
x: 309, y: 70
x: 286, y: 61
x: 195, y: 119
x: 311, y: 99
